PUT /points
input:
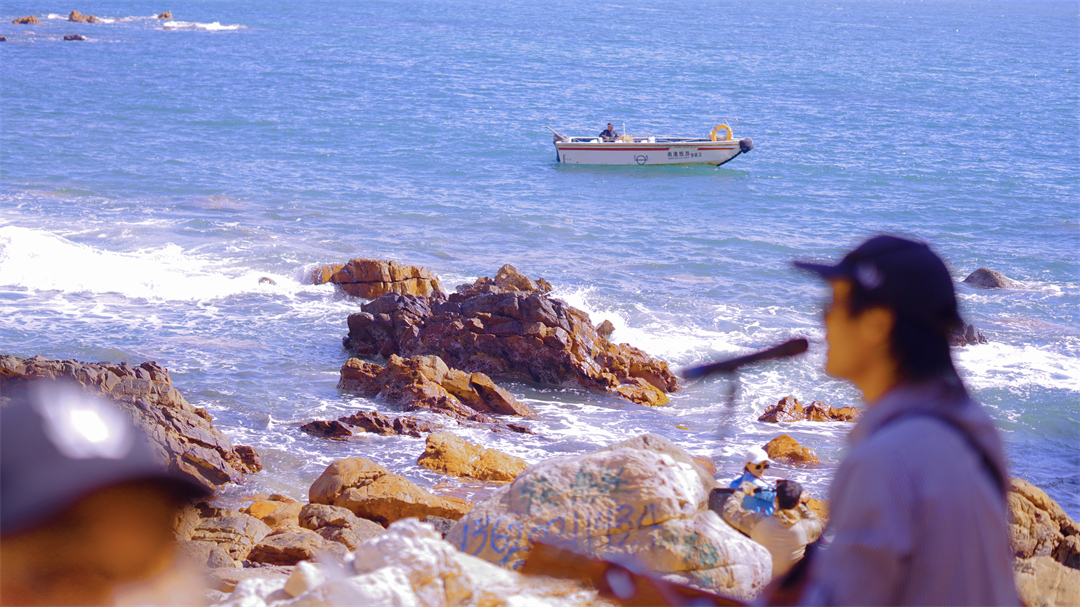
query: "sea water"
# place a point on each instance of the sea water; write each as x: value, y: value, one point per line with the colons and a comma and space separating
x: 153, y: 174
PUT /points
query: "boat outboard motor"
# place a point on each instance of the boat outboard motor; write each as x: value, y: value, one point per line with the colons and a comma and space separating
x: 745, y: 145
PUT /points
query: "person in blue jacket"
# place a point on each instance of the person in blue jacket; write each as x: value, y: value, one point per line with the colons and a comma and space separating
x: 764, y: 498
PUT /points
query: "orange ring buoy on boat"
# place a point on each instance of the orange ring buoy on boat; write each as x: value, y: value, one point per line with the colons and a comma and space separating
x: 725, y: 128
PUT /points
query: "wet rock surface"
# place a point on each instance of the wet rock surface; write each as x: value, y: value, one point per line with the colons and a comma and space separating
x: 967, y: 335
x: 27, y: 20
x: 183, y: 435
x: 509, y: 327
x: 985, y: 278
x: 447, y: 453
x: 78, y: 17
x: 786, y: 449
x: 789, y: 409
x: 622, y: 501
x: 372, y: 278
x: 74, y: 37
x: 369, y: 491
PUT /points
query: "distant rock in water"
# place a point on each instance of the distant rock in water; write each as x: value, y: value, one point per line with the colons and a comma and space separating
x: 373, y: 278
x: 509, y: 327
x: 789, y: 409
x: 967, y: 335
x: 448, y: 453
x: 182, y: 434
x: 266, y: 280
x: 785, y: 448
x: 27, y: 20
x: 74, y: 37
x: 78, y: 17
x: 985, y: 278
x: 165, y: 15
x: 3, y: 39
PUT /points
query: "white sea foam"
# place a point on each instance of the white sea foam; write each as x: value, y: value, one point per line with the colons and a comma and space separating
x: 42, y: 261
x: 212, y: 27
x: 999, y: 365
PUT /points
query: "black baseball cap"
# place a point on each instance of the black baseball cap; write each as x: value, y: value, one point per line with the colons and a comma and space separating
x: 900, y: 274
x: 61, y: 444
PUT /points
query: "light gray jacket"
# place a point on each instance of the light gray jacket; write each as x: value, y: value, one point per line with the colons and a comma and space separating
x: 918, y: 508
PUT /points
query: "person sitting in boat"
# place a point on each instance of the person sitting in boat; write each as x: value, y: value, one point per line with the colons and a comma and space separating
x: 609, y: 134
x: 761, y: 500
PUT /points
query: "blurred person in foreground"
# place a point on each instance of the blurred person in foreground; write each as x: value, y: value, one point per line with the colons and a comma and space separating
x: 918, y: 504
x: 86, y: 509
x: 786, y: 532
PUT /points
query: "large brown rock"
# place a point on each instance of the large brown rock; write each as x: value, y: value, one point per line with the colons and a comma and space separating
x: 183, y: 435
x: 290, y: 545
x: 27, y: 20
x: 1039, y: 527
x: 275, y: 513
x: 369, y: 491
x: 985, y: 278
x: 787, y: 449
x: 1043, y: 582
x: 509, y: 327
x: 447, y: 453
x: 371, y: 278
x: 338, y: 524
x: 789, y: 409
x: 426, y: 382
x: 78, y: 17
x: 233, y: 532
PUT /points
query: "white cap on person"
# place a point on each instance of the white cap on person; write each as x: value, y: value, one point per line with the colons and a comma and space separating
x: 756, y: 455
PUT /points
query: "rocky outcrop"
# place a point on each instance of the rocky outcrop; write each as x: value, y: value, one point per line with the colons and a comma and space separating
x: 509, y: 327
x: 447, y: 453
x: 369, y: 491
x: 410, y: 565
x: 183, y: 435
x: 426, y: 382
x: 75, y: 37
x: 78, y: 17
x: 617, y: 503
x: 372, y: 278
x: 786, y: 449
x: 1039, y: 527
x: 276, y: 511
x: 1041, y: 581
x: 234, y: 532
x: 985, y: 278
x: 789, y: 409
x: 27, y: 20
x: 966, y: 335
x: 338, y: 524
x: 290, y: 545
x: 165, y: 15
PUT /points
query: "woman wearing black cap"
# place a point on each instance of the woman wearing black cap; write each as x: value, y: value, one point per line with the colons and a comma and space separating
x: 918, y: 505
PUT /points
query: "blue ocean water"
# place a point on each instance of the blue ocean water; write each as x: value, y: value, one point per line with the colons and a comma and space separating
x: 151, y: 175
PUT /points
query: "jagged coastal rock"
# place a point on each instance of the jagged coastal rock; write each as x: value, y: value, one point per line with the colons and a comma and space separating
x: 1046, y: 544
x: 182, y: 434
x: 78, y: 17
x: 786, y: 449
x: 372, y: 278
x: 509, y: 327
x: 448, y: 453
x: 363, y: 422
x: 789, y: 409
x: 624, y: 501
x: 75, y: 37
x: 367, y: 490
x: 985, y: 278
x: 426, y: 382
x: 27, y: 20
x: 966, y: 335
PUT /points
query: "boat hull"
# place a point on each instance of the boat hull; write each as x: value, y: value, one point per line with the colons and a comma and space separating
x: 647, y: 153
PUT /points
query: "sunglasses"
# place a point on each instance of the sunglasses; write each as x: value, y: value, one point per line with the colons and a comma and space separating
x: 762, y: 465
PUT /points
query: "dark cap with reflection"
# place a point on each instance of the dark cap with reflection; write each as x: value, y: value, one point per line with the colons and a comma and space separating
x: 59, y: 444
x: 903, y: 275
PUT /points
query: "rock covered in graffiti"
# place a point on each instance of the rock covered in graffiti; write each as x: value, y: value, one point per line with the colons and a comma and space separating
x: 629, y: 499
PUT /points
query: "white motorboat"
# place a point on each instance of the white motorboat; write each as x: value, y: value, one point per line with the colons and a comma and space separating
x: 716, y: 149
